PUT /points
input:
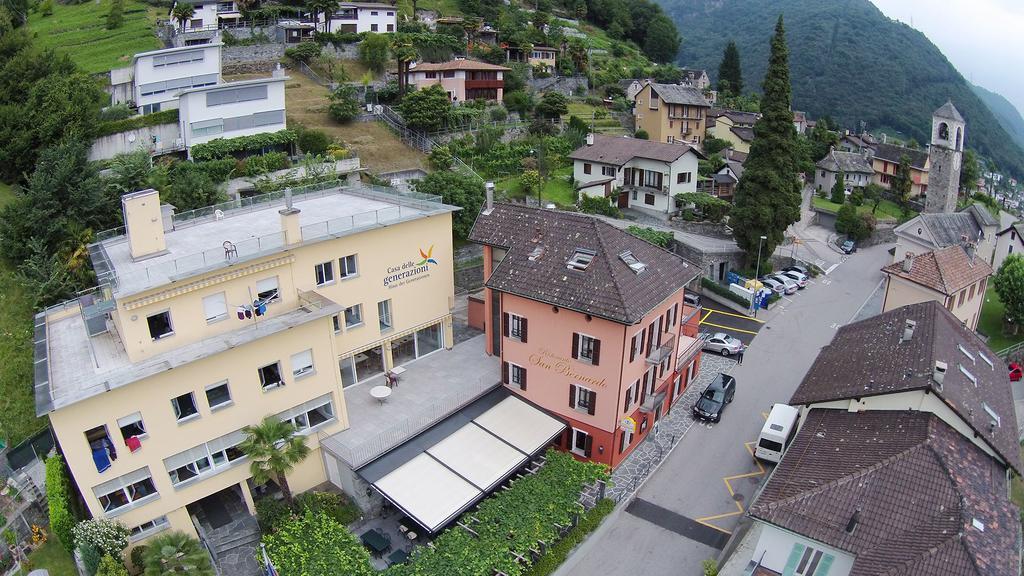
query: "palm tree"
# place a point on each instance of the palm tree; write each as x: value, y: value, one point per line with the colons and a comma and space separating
x: 404, y: 53
x: 325, y: 7
x: 274, y: 449
x: 176, y: 553
x: 183, y: 12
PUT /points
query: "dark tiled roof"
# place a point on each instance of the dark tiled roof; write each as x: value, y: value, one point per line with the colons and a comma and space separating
x: 1017, y: 227
x: 744, y: 133
x: 947, y: 270
x: 867, y: 358
x: 981, y: 214
x: 677, y: 94
x: 848, y: 162
x: 737, y: 116
x: 949, y: 111
x: 607, y: 288
x: 945, y: 229
x: 916, y: 485
x: 618, y: 150
x: 734, y: 155
x: 894, y: 154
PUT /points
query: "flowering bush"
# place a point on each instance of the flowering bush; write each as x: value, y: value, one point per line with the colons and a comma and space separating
x: 38, y: 535
x: 107, y: 536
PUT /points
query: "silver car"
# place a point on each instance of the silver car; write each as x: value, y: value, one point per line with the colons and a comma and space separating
x: 789, y: 283
x: 723, y: 344
x: 775, y: 285
x: 800, y: 279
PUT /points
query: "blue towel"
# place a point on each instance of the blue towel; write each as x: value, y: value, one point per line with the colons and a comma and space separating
x: 101, y: 458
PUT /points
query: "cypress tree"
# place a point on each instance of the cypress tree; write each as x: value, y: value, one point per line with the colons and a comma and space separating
x: 730, y: 76
x: 768, y: 194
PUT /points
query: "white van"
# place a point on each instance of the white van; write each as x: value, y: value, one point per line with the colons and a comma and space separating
x: 778, y: 432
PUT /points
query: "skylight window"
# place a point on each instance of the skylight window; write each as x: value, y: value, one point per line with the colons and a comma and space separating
x: 987, y: 361
x: 970, y: 376
x: 635, y: 265
x: 580, y: 259
x: 966, y: 353
x: 996, y: 421
x: 978, y: 525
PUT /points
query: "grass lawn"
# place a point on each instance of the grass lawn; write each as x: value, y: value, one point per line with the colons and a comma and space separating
x: 378, y: 148
x: 17, y: 404
x: 79, y: 30
x: 585, y: 112
x: 441, y: 7
x: 557, y: 188
x: 53, y: 558
x: 887, y: 209
x: 991, y: 322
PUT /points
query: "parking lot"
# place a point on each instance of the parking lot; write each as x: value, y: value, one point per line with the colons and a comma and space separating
x: 734, y: 324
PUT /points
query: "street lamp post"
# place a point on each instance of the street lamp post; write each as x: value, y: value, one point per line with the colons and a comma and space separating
x: 757, y: 275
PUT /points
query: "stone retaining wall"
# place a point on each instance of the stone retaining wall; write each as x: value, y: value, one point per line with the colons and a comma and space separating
x: 257, y: 53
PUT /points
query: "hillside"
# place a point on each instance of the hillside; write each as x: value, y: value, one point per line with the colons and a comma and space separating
x: 1005, y: 112
x: 847, y: 60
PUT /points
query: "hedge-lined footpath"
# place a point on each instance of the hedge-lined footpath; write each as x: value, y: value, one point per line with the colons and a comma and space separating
x: 136, y: 122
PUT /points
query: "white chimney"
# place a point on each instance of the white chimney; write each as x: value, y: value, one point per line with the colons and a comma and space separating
x: 590, y: 138
x: 908, y: 331
x: 908, y: 262
x: 489, y: 207
x: 939, y: 374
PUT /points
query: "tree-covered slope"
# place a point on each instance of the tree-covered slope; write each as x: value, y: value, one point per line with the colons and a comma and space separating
x: 847, y: 60
x: 1005, y: 112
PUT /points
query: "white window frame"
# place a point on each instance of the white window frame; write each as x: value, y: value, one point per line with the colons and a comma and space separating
x: 230, y: 400
x: 343, y: 267
x: 144, y: 530
x: 385, y: 316
x: 135, y: 418
x: 583, y: 407
x: 263, y: 384
x: 307, y: 368
x: 298, y: 416
x: 580, y: 348
x: 263, y: 287
x: 515, y: 374
x: 321, y: 272
x: 218, y: 304
x: 124, y: 484
x: 572, y: 446
x: 177, y: 409
x: 202, y: 459
x: 170, y: 325
x: 515, y: 326
x: 359, y: 309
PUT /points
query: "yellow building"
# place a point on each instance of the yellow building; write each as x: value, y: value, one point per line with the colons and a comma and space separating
x: 205, y: 322
x: 733, y: 126
x: 671, y: 113
x: 955, y: 277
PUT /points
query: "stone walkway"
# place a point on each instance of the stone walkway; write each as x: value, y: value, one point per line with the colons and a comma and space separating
x: 628, y: 477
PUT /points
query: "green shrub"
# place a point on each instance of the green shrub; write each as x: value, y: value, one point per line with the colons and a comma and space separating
x: 218, y: 170
x: 656, y: 237
x: 58, y: 496
x: 115, y: 112
x: 641, y: 134
x: 335, y: 506
x: 316, y: 544
x: 303, y: 52
x: 264, y: 163
x: 107, y: 536
x: 46, y: 8
x: 724, y: 292
x: 548, y: 563
x: 272, y: 513
x: 441, y: 158
x: 138, y: 556
x: 712, y: 208
x: 344, y: 106
x: 91, y: 558
x: 224, y: 147
x: 110, y: 566
x: 136, y: 122
x: 709, y: 567
x: 598, y: 205
x: 314, y: 142
x: 115, y: 18
x: 498, y: 114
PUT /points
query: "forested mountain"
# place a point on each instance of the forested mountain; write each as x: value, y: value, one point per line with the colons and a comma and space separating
x: 847, y: 60
x: 1005, y: 112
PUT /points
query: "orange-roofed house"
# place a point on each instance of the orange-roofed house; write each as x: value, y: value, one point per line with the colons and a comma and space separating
x: 462, y: 79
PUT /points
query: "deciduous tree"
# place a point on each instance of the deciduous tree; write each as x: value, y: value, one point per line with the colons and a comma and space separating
x: 373, y: 51
x: 1009, y: 285
x: 426, y: 109
x: 662, y: 40
x: 457, y: 189
x: 902, y: 184
x: 839, y: 189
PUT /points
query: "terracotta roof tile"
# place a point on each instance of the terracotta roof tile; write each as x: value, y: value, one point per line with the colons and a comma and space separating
x: 456, y: 65
x: 618, y: 150
x: 947, y: 270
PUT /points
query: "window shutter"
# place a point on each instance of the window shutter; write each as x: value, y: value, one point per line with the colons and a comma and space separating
x: 794, y: 558
x: 675, y: 313
x: 588, y: 446
x: 572, y: 395
x: 597, y: 352
x: 629, y: 397
x: 505, y: 323
x: 522, y: 327
x: 650, y: 339
x: 632, y: 348
x: 575, y: 345
x: 622, y: 441
x: 522, y: 377
x: 643, y: 340
x: 593, y: 403
x: 504, y: 373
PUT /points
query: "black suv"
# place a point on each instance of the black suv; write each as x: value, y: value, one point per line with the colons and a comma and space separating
x: 714, y: 398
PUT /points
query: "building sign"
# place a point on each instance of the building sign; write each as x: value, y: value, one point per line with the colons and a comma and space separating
x: 561, y: 365
x: 411, y: 270
x: 628, y: 424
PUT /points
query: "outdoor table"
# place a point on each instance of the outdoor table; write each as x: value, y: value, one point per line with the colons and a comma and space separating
x: 375, y: 541
x: 398, y: 556
x: 398, y: 370
x: 381, y: 393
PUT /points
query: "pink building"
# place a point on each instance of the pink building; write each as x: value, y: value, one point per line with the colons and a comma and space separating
x: 462, y: 79
x: 589, y: 322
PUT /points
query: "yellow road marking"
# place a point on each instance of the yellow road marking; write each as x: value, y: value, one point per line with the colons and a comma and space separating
x: 710, y: 312
x: 736, y: 315
x: 732, y: 492
x: 727, y: 328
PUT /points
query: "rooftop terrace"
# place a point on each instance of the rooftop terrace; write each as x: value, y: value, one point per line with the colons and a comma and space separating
x: 196, y: 242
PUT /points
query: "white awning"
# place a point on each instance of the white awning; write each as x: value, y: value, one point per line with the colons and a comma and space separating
x: 436, y: 476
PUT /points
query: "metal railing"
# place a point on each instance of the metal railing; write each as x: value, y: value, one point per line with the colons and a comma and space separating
x: 410, y: 424
x: 1005, y: 353
x: 421, y: 142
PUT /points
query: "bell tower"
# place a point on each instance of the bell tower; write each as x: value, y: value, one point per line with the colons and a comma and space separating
x: 944, y: 155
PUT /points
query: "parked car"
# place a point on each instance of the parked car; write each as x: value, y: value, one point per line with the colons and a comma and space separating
x: 712, y: 401
x: 723, y: 344
x: 800, y: 279
x: 789, y: 283
x: 691, y: 299
x: 774, y: 285
x: 1016, y: 372
x: 798, y: 268
x: 849, y: 247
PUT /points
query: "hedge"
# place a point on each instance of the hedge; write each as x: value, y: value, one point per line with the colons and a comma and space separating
x: 136, y: 122
x: 223, y: 147
x: 58, y: 496
x: 558, y: 553
x: 724, y: 292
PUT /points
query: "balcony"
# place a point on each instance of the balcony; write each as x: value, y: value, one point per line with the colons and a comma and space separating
x: 688, y: 350
x: 484, y: 84
x: 645, y: 189
x: 653, y: 401
x: 659, y: 354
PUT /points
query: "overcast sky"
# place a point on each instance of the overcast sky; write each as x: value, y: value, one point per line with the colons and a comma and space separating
x: 984, y: 39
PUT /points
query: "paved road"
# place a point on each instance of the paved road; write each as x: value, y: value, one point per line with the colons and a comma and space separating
x: 686, y: 510
x: 736, y: 325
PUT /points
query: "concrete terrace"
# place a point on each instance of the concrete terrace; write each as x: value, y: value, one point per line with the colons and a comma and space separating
x: 253, y: 226
x: 431, y: 389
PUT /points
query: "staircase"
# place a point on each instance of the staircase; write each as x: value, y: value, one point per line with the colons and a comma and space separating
x: 234, y: 547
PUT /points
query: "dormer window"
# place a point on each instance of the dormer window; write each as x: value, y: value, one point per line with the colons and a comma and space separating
x: 630, y: 260
x: 580, y: 259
